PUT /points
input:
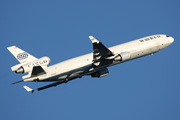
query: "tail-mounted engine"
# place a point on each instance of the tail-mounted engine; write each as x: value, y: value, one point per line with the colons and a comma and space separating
x: 27, y: 67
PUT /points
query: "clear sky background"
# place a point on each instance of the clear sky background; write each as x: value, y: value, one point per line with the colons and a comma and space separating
x: 147, y: 88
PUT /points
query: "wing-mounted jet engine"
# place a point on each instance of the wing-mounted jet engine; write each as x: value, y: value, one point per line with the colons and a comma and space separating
x: 124, y: 56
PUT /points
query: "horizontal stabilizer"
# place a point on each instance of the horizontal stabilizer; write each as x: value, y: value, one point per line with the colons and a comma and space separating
x: 18, y: 81
x: 37, y: 70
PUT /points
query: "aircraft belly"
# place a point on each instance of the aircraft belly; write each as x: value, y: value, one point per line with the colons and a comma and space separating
x: 74, y: 73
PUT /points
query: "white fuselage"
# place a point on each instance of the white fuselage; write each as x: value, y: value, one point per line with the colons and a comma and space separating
x: 79, y: 66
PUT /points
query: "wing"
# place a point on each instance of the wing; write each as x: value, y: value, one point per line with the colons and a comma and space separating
x: 100, y: 53
x: 44, y: 87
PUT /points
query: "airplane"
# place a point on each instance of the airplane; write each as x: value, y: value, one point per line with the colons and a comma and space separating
x: 94, y: 64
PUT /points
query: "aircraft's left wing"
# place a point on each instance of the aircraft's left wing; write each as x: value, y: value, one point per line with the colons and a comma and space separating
x: 100, y: 53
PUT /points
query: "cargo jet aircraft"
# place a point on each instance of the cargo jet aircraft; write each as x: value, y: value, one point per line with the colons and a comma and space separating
x: 94, y: 64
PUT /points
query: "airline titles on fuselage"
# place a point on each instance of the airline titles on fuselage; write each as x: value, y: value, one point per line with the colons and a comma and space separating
x: 150, y: 38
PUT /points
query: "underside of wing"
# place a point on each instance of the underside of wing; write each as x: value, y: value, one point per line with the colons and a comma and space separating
x: 100, y: 53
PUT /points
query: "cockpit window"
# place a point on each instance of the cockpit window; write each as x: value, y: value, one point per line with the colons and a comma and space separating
x: 167, y: 36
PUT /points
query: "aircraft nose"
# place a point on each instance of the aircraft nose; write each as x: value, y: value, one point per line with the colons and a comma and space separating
x: 171, y: 40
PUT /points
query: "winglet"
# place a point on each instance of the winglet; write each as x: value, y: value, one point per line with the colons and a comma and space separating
x: 28, y: 89
x: 93, y: 39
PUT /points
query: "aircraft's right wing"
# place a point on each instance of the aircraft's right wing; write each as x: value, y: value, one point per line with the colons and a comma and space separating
x: 44, y: 87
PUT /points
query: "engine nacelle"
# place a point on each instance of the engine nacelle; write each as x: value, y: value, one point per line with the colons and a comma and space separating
x: 122, y: 56
x: 101, y: 73
x: 24, y: 68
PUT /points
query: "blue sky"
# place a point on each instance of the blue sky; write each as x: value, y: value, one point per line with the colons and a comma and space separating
x: 143, y: 89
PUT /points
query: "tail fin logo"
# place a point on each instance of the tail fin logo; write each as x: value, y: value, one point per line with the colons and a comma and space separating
x: 22, y: 56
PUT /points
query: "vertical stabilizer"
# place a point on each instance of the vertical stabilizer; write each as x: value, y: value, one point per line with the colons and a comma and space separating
x: 21, y: 55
